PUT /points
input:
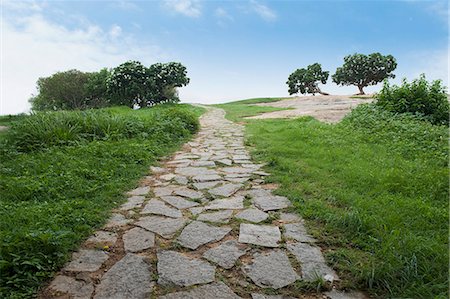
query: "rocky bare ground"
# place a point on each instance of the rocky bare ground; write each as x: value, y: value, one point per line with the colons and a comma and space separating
x: 203, y: 226
x: 330, y: 109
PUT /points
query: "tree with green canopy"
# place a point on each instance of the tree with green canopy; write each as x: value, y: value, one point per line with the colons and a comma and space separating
x: 364, y: 70
x: 307, y: 80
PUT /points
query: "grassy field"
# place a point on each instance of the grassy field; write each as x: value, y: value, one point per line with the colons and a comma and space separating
x: 61, y: 173
x: 374, y: 191
x: 237, y: 111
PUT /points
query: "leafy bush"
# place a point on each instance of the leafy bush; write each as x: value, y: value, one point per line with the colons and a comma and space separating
x: 418, y: 97
x: 62, y: 128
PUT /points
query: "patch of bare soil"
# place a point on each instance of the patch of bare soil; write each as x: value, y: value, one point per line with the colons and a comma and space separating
x: 330, y: 109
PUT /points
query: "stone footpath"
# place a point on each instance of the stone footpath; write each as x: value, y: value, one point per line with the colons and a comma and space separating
x: 204, y: 226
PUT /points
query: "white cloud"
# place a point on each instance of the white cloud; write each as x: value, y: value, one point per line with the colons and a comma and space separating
x: 115, y: 31
x: 125, y: 5
x: 263, y: 11
x: 21, y: 6
x: 222, y: 16
x: 34, y: 47
x: 189, y: 8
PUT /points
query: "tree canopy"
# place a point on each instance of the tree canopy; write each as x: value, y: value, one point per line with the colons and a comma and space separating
x: 364, y: 70
x: 307, y: 80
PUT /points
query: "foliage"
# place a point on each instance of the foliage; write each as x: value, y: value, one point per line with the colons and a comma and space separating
x: 52, y: 199
x: 307, y: 80
x: 374, y: 192
x: 129, y: 84
x: 63, y: 90
x: 97, y: 89
x: 166, y: 77
x: 418, y: 97
x: 364, y: 70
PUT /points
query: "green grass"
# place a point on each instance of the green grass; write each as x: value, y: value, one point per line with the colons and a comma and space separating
x: 52, y: 198
x: 374, y: 191
x: 237, y: 111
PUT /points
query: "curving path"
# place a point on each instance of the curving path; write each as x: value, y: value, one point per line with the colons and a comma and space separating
x: 204, y: 226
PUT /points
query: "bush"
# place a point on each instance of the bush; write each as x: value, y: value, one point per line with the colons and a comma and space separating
x: 419, y: 97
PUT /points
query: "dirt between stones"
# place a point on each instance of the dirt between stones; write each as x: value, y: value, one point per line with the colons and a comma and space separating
x: 329, y: 109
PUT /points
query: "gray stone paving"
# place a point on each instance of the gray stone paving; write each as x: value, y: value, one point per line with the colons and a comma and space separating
x: 271, y: 270
x: 129, y: 278
x: 199, y: 233
x: 186, y: 228
x: 178, y: 269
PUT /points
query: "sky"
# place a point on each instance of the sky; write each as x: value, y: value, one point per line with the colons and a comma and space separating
x: 232, y: 49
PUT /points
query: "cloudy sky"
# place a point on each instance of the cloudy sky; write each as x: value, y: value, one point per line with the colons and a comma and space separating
x: 232, y: 49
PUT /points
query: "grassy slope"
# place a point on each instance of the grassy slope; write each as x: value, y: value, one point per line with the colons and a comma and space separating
x: 51, y: 200
x: 236, y: 111
x: 378, y: 202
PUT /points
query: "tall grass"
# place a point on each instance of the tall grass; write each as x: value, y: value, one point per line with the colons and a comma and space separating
x: 54, y: 193
x: 374, y: 190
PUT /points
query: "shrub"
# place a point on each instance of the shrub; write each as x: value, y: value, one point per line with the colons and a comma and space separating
x: 419, y: 97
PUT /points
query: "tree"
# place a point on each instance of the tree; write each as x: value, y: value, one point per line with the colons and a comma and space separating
x: 97, y: 89
x: 364, y: 70
x: 307, y: 80
x: 129, y: 84
x: 166, y: 78
x: 63, y: 90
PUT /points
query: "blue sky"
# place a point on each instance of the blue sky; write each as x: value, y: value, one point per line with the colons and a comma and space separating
x: 232, y: 49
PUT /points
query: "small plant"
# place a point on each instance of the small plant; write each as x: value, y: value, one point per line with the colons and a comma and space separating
x: 419, y: 97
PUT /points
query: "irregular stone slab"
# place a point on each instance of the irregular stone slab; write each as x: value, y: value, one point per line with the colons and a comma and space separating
x: 197, y: 210
x: 167, y: 177
x: 225, y: 190
x: 206, y: 178
x: 238, y: 180
x: 74, y: 288
x: 138, y: 239
x: 103, y: 238
x: 176, y: 268
x: 227, y: 162
x: 139, y: 191
x: 179, y: 202
x: 271, y: 270
x: 218, y: 217
x: 290, y: 217
x: 206, y: 185
x: 233, y: 203
x: 241, y: 157
x: 87, y: 260
x: 297, y: 232
x: 215, y: 290
x: 164, y: 191
x: 189, y: 193
x: 117, y: 220
x: 252, y: 215
x: 271, y: 203
x: 237, y: 170
x: 158, y: 170
x: 264, y: 296
x: 165, y: 227
x: 226, y: 254
x: 335, y: 294
x: 185, y: 156
x: 194, y: 171
x: 158, y: 207
x: 203, y: 164
x: 237, y: 175
x: 312, y: 262
x: 198, y: 233
x: 181, y: 180
x: 129, y: 278
x: 133, y: 202
x: 262, y: 235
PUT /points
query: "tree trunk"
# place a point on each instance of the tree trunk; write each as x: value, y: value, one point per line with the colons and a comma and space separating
x: 321, y: 92
x: 361, y: 91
